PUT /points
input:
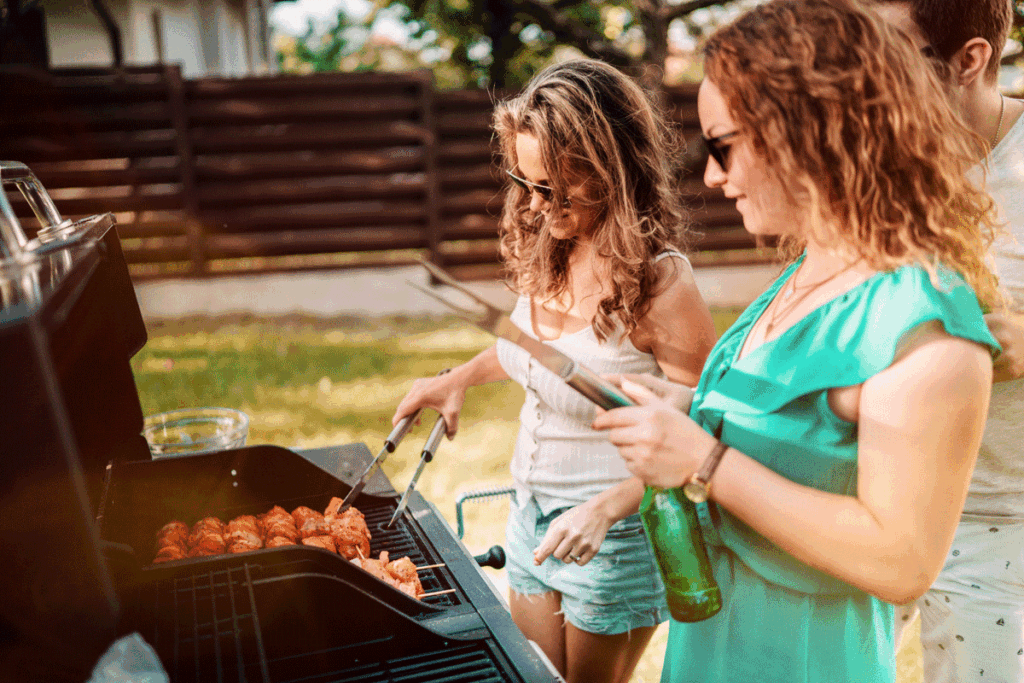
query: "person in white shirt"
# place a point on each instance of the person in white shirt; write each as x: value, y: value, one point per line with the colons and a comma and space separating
x: 590, y: 234
x: 972, y: 620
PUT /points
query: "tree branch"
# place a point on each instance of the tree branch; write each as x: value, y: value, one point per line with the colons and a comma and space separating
x: 571, y: 32
x: 671, y: 12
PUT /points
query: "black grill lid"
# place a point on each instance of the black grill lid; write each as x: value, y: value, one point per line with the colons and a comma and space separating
x: 68, y: 405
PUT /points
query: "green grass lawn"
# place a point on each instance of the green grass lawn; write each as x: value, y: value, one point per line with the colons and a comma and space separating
x: 308, y: 382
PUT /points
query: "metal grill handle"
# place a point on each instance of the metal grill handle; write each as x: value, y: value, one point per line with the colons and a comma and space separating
x: 12, y: 237
x: 479, y: 494
x: 17, y: 173
x: 13, y: 243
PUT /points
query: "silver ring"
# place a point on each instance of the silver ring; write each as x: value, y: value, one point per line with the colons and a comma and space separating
x: 573, y: 558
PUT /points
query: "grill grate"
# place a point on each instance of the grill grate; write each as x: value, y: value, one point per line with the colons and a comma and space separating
x: 469, y: 664
x: 205, y: 627
x: 400, y: 540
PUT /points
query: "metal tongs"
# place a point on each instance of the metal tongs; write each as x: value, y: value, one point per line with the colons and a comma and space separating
x: 496, y: 321
x: 390, y: 444
x: 436, y: 434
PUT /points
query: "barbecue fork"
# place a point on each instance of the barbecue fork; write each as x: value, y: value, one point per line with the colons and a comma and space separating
x: 497, y: 322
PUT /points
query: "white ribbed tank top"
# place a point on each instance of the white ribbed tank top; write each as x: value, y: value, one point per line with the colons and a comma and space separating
x: 559, y: 461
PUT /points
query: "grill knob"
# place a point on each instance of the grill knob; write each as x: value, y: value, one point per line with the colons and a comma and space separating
x: 495, y: 557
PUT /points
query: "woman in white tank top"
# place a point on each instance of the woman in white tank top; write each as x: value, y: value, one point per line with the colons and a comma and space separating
x: 590, y: 231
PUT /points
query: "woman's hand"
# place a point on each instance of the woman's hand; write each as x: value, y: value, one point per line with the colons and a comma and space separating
x: 1008, y: 329
x: 575, y: 535
x: 660, y: 444
x: 677, y: 395
x: 444, y: 393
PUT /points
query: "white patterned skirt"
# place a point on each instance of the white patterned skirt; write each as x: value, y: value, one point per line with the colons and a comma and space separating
x: 972, y: 619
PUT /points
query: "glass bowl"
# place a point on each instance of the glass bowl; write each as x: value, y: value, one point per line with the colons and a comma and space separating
x: 195, y: 430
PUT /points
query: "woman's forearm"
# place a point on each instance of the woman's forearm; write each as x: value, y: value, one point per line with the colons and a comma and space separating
x: 481, y: 369
x: 919, y: 428
x: 621, y: 500
x: 837, y: 534
x: 446, y: 392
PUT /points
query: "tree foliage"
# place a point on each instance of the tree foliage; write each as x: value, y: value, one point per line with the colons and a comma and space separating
x: 516, y: 37
x: 502, y: 43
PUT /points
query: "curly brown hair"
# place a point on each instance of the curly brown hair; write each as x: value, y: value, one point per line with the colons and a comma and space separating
x: 596, y: 126
x: 845, y: 110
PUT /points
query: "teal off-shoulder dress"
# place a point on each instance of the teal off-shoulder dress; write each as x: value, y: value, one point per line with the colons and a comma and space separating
x: 781, y: 620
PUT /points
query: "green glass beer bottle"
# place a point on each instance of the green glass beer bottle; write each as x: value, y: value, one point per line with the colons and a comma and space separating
x: 674, y: 533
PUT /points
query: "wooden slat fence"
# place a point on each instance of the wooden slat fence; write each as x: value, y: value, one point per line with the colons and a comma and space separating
x: 102, y: 142
x: 288, y: 172
x: 286, y: 169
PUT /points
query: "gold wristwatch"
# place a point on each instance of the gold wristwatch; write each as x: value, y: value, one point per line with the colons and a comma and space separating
x: 698, y: 486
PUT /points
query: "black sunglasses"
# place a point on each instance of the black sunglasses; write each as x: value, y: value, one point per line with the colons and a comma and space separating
x: 718, y: 151
x: 545, y: 192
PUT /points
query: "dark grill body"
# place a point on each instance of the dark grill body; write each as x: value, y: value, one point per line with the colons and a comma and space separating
x: 81, y: 501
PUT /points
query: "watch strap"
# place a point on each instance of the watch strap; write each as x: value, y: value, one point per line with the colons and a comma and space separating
x: 710, y: 464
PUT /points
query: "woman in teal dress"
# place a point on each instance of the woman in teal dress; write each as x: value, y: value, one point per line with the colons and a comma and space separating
x: 852, y: 394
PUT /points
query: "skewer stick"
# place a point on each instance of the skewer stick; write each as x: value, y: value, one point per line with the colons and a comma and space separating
x: 430, y: 595
x: 429, y: 566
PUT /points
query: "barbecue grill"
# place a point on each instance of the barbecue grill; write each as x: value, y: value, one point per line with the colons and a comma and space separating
x: 81, y: 499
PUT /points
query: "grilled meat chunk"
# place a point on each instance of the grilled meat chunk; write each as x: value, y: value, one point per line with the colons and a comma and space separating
x: 210, y: 543
x: 169, y: 553
x: 324, y: 542
x: 309, y: 522
x: 400, y: 574
x: 278, y: 541
x: 345, y: 533
x: 173, y: 533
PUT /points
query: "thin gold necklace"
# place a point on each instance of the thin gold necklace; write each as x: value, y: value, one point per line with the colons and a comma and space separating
x: 999, y: 128
x: 782, y: 306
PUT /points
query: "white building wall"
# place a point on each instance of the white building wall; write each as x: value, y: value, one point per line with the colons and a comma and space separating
x: 206, y: 37
x: 234, y: 41
x: 177, y: 24
x: 75, y: 35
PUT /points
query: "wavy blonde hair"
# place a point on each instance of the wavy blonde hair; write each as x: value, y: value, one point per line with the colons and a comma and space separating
x: 596, y: 126
x: 851, y: 117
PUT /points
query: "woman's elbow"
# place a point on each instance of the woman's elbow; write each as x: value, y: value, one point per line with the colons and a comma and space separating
x: 906, y: 594
x: 905, y: 580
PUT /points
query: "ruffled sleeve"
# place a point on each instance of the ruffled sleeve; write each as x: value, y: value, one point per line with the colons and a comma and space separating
x: 845, y: 342
x: 772, y: 404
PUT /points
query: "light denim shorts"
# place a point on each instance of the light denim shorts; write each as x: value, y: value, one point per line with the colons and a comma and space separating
x: 618, y: 590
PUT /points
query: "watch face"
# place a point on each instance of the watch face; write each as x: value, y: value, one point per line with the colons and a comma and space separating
x: 696, y: 491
